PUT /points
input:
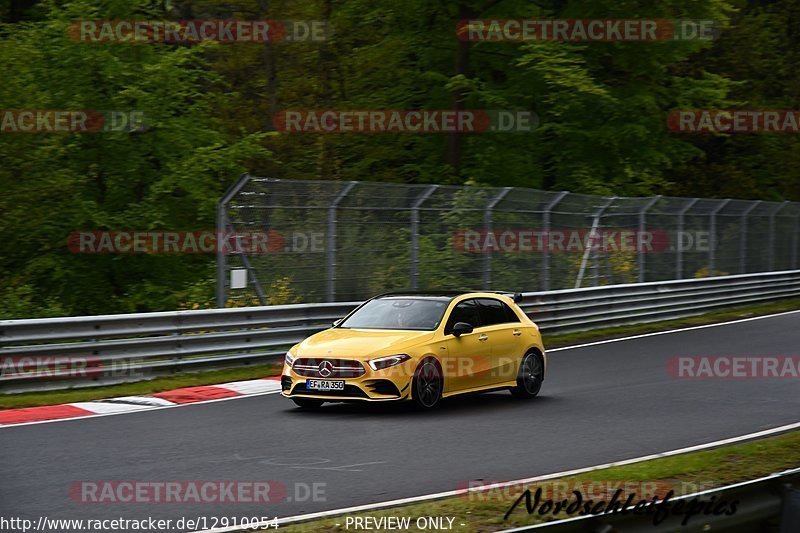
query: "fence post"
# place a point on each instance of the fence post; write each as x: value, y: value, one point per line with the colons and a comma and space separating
x: 771, y: 263
x: 222, y: 224
x: 679, y: 249
x: 642, y: 217
x: 591, y: 237
x: 262, y: 298
x: 487, y: 224
x: 546, y: 229
x: 743, y: 237
x: 222, y: 260
x: 330, y: 241
x: 415, y: 233
x: 712, y: 230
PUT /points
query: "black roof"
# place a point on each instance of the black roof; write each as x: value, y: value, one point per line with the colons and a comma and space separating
x: 446, y: 294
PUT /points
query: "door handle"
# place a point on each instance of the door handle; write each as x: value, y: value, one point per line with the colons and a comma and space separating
x: 483, y: 337
x: 517, y: 333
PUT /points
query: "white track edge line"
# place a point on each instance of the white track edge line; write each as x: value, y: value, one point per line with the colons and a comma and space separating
x: 143, y: 409
x: 458, y: 492
x: 679, y: 330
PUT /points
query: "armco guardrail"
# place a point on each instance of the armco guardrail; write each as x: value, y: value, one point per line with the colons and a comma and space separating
x: 55, y: 353
x: 768, y: 504
x: 581, y: 309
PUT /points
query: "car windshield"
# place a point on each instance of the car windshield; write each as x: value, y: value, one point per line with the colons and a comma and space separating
x: 423, y: 314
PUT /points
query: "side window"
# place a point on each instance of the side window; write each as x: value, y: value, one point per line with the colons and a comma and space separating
x: 466, y: 311
x: 495, y: 312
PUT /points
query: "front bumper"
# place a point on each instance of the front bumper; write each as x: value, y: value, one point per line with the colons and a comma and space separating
x: 390, y: 384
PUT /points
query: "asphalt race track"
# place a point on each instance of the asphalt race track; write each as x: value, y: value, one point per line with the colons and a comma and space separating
x: 599, y: 404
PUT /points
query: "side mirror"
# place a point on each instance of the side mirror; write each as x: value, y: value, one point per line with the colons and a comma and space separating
x: 337, y: 322
x: 461, y: 328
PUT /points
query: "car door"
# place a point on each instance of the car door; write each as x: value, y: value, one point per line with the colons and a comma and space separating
x: 467, y: 364
x: 503, y: 329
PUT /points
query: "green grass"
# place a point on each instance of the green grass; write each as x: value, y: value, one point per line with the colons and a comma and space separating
x: 33, y: 399
x: 733, y: 313
x: 211, y: 377
x: 694, y: 471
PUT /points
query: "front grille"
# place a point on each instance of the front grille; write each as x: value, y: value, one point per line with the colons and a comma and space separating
x: 338, y: 368
x: 349, y: 390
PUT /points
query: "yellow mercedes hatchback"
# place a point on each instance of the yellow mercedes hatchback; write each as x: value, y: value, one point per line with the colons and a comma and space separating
x: 420, y: 347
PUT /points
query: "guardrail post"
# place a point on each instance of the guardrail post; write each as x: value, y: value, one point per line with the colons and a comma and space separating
x: 546, y: 230
x: 795, y: 240
x: 712, y: 240
x: 590, y: 239
x: 743, y: 237
x: 642, y: 218
x: 679, y: 233
x: 415, y: 233
x: 790, y: 511
x: 487, y: 224
x: 330, y: 241
x: 222, y: 224
x: 771, y: 262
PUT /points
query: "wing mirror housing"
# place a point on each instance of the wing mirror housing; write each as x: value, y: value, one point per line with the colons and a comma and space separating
x: 462, y: 328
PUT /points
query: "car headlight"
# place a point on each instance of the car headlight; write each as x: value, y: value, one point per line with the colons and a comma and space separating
x: 289, y: 359
x: 386, y: 362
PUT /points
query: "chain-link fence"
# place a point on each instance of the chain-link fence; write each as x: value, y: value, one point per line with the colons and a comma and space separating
x: 315, y: 241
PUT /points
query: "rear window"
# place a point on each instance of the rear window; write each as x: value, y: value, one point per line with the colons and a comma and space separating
x: 495, y: 312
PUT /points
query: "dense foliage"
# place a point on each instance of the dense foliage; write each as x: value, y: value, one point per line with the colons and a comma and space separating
x: 210, y: 108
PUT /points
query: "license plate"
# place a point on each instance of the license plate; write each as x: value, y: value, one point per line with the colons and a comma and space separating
x: 324, y: 384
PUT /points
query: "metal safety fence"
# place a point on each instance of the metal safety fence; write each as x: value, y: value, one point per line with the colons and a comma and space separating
x: 56, y: 353
x: 338, y: 241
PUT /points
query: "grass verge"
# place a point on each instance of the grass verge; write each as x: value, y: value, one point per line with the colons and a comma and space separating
x: 734, y: 313
x: 33, y: 399
x: 687, y: 473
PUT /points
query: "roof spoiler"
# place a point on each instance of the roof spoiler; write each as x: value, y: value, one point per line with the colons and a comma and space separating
x: 516, y: 296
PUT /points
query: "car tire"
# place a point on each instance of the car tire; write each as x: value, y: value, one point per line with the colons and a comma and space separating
x: 529, y: 376
x: 307, y: 403
x: 427, y: 385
